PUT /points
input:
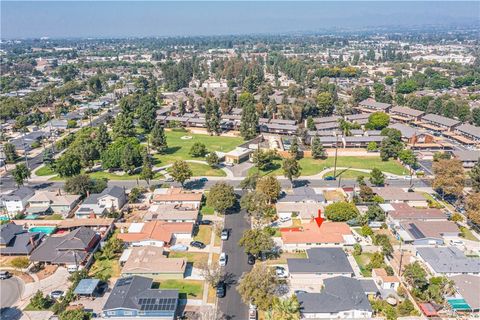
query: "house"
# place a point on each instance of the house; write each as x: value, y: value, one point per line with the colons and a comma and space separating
x: 155, y: 233
x: 341, y: 298
x: 177, y: 196
x: 56, y: 125
x: 399, y: 195
x: 370, y: 105
x: 469, y: 131
x: 15, y: 240
x: 405, y: 114
x: 413, y: 136
x: 237, y: 155
x: 171, y: 213
x: 17, y: 200
x: 385, y: 281
x: 361, y: 141
x: 468, y: 157
x: 149, y: 261
x: 360, y: 118
x: 316, y: 233
x: 427, y: 232
x: 438, y: 123
x: 302, y: 194
x: 56, y: 201
x: 303, y: 210
x: 27, y: 141
x: 133, y: 297
x: 397, y: 212
x: 467, y: 297
x: 278, y: 128
x: 448, y: 261
x: 97, y: 204
x: 74, y: 249
x: 321, y: 263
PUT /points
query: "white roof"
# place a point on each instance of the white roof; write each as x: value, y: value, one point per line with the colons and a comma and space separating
x: 349, y: 239
x: 386, y: 207
x: 238, y: 151
x: 125, y: 255
x: 135, y: 227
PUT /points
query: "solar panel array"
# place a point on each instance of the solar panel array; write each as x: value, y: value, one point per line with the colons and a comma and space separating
x: 124, y: 282
x: 161, y: 304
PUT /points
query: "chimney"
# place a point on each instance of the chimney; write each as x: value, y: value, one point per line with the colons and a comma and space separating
x: 31, y: 241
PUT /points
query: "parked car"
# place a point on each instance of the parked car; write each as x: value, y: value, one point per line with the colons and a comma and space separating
x: 221, y: 289
x: 197, y: 244
x: 169, y: 179
x: 250, y: 259
x: 225, y: 234
x: 223, y: 259
x: 285, y: 219
x: 329, y: 178
x: 203, y: 179
x: 252, y: 312
x: 281, y: 272
x: 57, y: 294
x: 179, y: 247
x: 5, y: 275
x: 205, y: 222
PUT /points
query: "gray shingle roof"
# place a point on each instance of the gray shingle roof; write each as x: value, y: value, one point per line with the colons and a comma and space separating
x: 19, y: 194
x: 8, y: 232
x: 321, y: 260
x: 407, y: 111
x: 339, y: 294
x: 301, y: 194
x: 449, y: 260
x: 374, y: 104
x: 467, y: 155
x: 469, y: 129
x: 127, y: 292
x: 441, y: 120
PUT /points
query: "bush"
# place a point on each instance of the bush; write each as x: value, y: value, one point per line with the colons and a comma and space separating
x: 357, y: 249
x: 20, y: 262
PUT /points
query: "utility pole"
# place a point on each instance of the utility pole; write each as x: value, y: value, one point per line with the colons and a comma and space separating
x: 336, y: 155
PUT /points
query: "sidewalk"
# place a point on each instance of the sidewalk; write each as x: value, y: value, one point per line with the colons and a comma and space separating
x: 211, y: 251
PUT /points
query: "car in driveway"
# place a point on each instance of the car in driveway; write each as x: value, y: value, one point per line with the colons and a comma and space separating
x: 5, y: 275
x: 205, y: 222
x: 281, y: 272
x: 223, y: 259
x: 198, y: 244
x: 221, y: 289
x: 57, y: 294
x: 250, y: 259
x: 225, y: 234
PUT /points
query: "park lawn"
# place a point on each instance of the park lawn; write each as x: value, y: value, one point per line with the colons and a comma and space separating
x: 204, y: 234
x: 467, y: 234
x: 192, y: 257
x: 44, y: 171
x: 178, y: 149
x: 349, y: 174
x: 192, y: 289
x: 105, y: 269
x: 201, y: 169
x: 288, y: 255
x: 312, y: 166
x: 110, y: 176
x: 362, y: 261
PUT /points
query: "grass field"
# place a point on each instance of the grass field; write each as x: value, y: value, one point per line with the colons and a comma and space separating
x: 312, y: 166
x: 192, y: 289
x: 44, y: 171
x: 362, y: 261
x: 200, y: 169
x: 192, y: 257
x: 467, y: 234
x: 178, y: 149
x: 349, y: 174
x: 204, y: 234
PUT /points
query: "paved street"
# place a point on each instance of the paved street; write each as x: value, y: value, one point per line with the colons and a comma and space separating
x: 232, y: 306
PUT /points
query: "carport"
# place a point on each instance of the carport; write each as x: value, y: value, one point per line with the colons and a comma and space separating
x: 86, y: 287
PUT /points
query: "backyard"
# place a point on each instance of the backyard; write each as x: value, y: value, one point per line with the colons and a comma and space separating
x: 362, y: 261
x: 204, y: 234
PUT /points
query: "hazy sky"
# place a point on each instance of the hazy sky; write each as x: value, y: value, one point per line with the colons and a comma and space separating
x: 56, y: 19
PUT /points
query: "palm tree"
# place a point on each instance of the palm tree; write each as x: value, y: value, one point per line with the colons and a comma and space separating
x: 286, y: 309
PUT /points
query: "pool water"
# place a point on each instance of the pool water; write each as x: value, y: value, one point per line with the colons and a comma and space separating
x: 46, y: 230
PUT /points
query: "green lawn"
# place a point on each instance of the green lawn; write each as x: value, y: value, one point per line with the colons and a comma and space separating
x: 349, y: 174
x: 312, y: 166
x: 204, y: 234
x: 362, y: 261
x: 44, y: 171
x: 206, y: 211
x: 288, y: 255
x: 178, y: 148
x: 105, y: 269
x: 200, y: 169
x: 467, y: 234
x: 192, y: 257
x: 192, y: 289
x: 110, y: 176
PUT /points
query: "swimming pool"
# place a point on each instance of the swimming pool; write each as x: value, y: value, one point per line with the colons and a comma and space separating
x: 46, y: 230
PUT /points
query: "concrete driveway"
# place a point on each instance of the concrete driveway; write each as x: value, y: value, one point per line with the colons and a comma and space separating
x: 10, y: 291
x: 57, y: 281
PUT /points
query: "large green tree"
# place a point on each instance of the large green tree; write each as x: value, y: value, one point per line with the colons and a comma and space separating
x: 269, y: 186
x: 378, y: 121
x: 181, y: 171
x: 475, y: 176
x: 82, y: 184
x: 212, y: 116
x: 256, y: 241
x: 158, y: 138
x: 377, y: 178
x: 68, y: 165
x: 291, y: 169
x: 10, y: 152
x: 259, y: 286
x: 123, y: 126
x: 221, y: 197
x: 249, y: 121
x: 318, y: 151
x: 341, y: 211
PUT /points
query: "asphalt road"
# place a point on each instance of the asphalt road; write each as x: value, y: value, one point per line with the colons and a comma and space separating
x: 231, y: 306
x: 10, y: 291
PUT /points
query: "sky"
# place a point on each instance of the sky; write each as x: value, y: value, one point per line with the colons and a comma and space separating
x: 73, y: 19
